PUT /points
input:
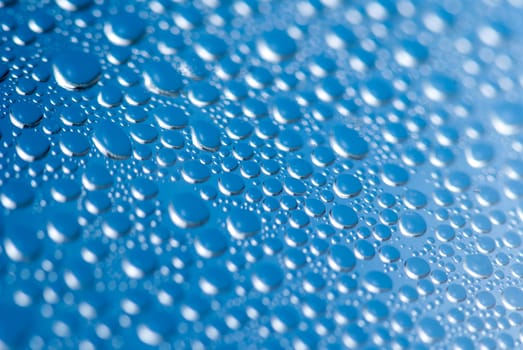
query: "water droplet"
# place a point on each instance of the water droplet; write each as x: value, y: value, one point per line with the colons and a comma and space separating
x: 63, y: 227
x: 430, y: 331
x: 25, y: 115
x: 124, y: 29
x: 286, y: 111
x: 205, y: 135
x: 348, y: 143
x: 507, y: 119
x: 74, y: 5
x: 210, y: 243
x: 439, y: 87
x: 478, y: 265
x: 242, y: 223
x: 416, y: 268
x: 22, y: 244
x: 32, y: 146
x: 343, y: 217
x: 162, y: 78
x: 341, y: 258
x: 75, y: 70
x: 112, y: 141
x: 187, y: 210
x: 377, y: 91
x: 347, y: 186
x: 377, y: 282
x: 412, y: 224
x: 16, y: 194
x: 276, y: 46
x: 266, y: 277
x: 394, y: 175
x: 513, y: 298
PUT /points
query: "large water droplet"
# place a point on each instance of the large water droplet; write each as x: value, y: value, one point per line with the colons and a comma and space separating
x: 513, y: 298
x: 162, y: 78
x: 187, y: 210
x: 243, y: 223
x: 276, y: 46
x: 124, y: 29
x: 478, y: 265
x: 507, y: 118
x: 75, y: 70
x: 348, y: 143
x: 112, y: 141
x: 25, y: 115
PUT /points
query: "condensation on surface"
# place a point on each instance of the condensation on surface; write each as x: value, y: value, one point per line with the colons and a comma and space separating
x: 261, y: 174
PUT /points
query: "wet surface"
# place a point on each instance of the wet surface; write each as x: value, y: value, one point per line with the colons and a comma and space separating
x: 261, y: 174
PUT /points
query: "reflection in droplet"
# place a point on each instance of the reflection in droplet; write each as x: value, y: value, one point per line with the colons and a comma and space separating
x: 75, y: 70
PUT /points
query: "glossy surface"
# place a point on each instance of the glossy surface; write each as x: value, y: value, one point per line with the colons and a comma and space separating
x: 243, y: 174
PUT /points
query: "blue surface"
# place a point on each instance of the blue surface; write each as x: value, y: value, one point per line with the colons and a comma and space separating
x: 244, y: 174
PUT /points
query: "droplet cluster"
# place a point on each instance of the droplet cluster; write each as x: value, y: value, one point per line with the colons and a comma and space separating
x: 240, y: 174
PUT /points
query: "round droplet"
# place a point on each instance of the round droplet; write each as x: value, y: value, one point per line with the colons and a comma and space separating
x: 143, y: 189
x: 74, y: 144
x: 75, y: 70
x: 215, y: 279
x: 485, y: 300
x: 439, y: 87
x: 377, y: 91
x: 205, y: 135
x: 377, y: 282
x: 96, y: 177
x: 32, y: 146
x: 507, y: 118
x: 411, y: 53
x: 513, y: 298
x: 458, y: 181
x: 202, y: 94
x: 286, y: 111
x: 25, y: 115
x: 364, y: 250
x: 22, y: 244
x: 375, y: 311
x: 276, y: 46
x: 341, y: 258
x: 16, y: 194
x: 343, y: 217
x: 243, y: 223
x: 41, y: 22
x: 340, y: 37
x: 394, y: 175
x: 188, y: 210
x: 124, y: 29
x: 347, y: 186
x: 155, y: 327
x: 430, y: 331
x: 170, y: 117
x: 416, y: 268
x: 138, y: 263
x: 210, y: 47
x: 210, y: 243
x: 479, y: 154
x: 74, y: 5
x: 347, y: 143
x: 112, y: 141
x: 354, y: 336
x: 116, y: 225
x: 161, y: 78
x: 412, y: 224
x: 478, y: 265
x: 266, y: 277
x: 73, y: 116
x: 63, y: 227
